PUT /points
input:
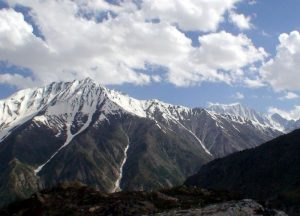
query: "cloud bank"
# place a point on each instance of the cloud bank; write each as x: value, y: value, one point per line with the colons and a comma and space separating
x: 117, y: 43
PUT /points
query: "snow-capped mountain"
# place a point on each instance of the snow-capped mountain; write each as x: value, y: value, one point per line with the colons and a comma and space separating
x: 81, y: 131
x: 236, y: 109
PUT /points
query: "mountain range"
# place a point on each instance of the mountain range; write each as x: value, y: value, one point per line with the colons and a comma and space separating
x: 82, y: 131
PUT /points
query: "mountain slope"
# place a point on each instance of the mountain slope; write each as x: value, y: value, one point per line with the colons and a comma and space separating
x: 269, y: 172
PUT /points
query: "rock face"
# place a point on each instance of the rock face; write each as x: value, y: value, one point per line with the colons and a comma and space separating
x: 270, y: 172
x: 241, y: 208
x: 77, y: 199
x: 81, y: 131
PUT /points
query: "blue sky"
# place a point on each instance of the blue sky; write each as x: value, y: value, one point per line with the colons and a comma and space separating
x: 172, y: 51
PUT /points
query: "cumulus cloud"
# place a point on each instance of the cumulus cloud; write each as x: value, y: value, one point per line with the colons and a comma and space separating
x: 282, y: 71
x: 240, y: 20
x: 226, y: 51
x: 289, y: 96
x: 119, y: 48
x: 293, y: 114
x: 220, y: 58
x: 189, y: 14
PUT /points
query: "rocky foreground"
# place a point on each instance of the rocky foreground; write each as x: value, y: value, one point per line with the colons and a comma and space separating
x: 80, y: 200
x: 244, y: 207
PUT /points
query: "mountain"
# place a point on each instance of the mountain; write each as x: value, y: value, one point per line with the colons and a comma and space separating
x: 78, y: 199
x: 270, y: 172
x: 81, y: 131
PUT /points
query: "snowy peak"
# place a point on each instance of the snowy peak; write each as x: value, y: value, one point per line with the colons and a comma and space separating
x: 26, y: 104
x: 235, y: 109
x: 238, y: 110
x: 146, y: 108
x: 274, y: 121
x: 58, y: 98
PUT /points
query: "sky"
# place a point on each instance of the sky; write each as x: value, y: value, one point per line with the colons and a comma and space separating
x: 191, y: 52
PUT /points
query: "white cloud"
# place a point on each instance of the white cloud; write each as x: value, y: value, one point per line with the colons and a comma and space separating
x: 240, y: 20
x: 14, y: 31
x: 238, y: 96
x: 282, y: 72
x: 220, y: 58
x: 205, y: 15
x: 289, y: 96
x: 16, y: 80
x: 293, y: 114
x: 110, y: 51
x: 226, y: 51
x: 254, y: 83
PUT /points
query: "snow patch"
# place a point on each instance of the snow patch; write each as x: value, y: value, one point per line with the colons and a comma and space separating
x: 118, y: 182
